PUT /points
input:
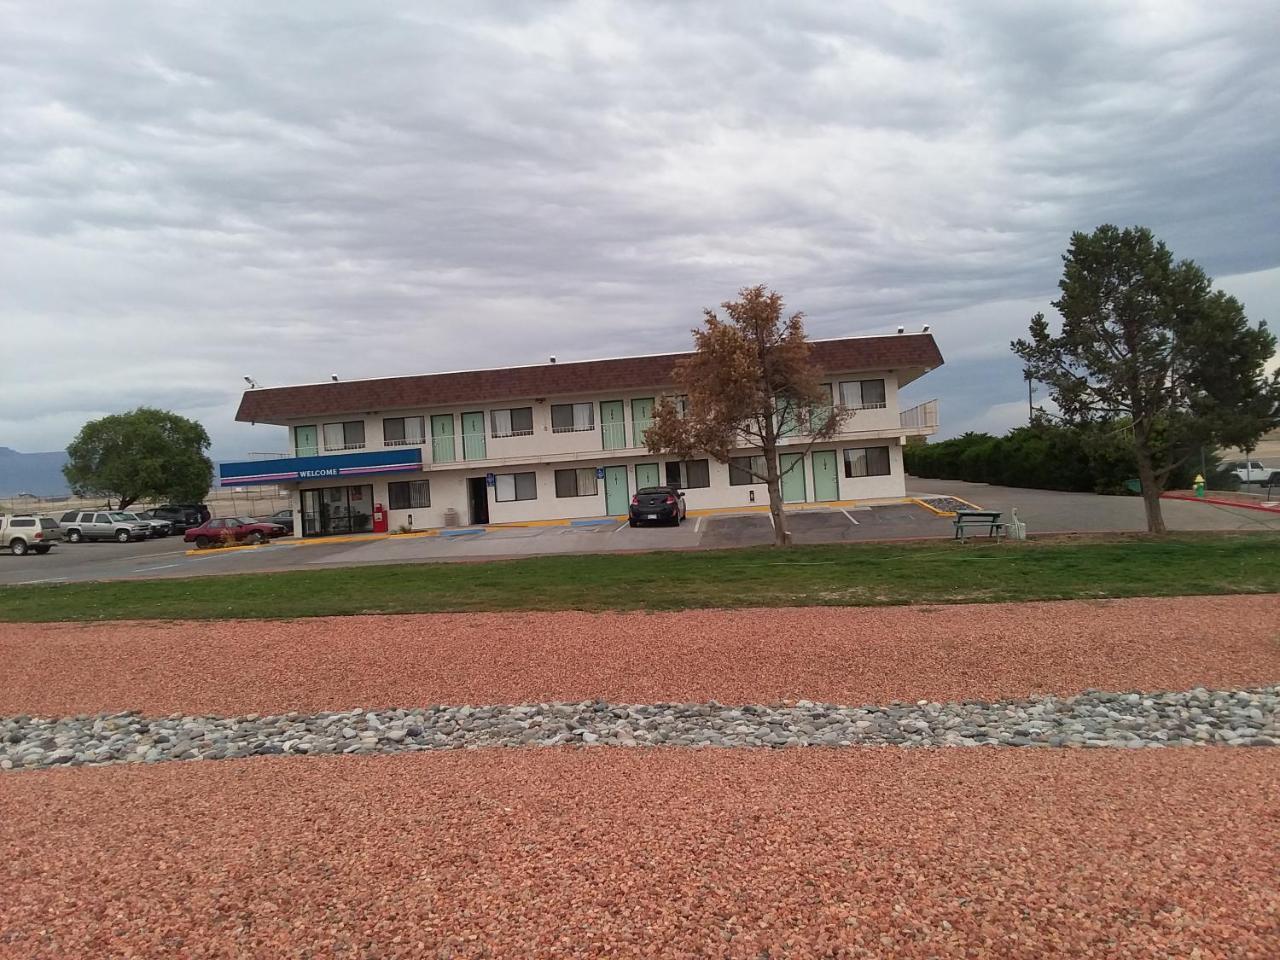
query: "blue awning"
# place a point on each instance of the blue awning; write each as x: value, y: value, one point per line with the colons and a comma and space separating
x: 243, y: 473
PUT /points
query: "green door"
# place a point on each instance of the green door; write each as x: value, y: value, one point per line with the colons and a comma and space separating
x: 473, y: 436
x: 641, y: 419
x: 826, y: 482
x: 646, y: 475
x: 305, y: 441
x: 442, y: 450
x: 616, y: 495
x: 613, y: 428
x: 792, y: 467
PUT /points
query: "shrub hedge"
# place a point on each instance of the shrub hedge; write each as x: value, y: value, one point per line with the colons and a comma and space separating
x: 1097, y: 459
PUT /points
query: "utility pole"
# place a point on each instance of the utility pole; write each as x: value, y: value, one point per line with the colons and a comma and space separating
x: 1031, y: 411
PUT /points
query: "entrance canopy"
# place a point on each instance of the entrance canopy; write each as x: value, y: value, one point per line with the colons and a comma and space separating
x: 243, y: 473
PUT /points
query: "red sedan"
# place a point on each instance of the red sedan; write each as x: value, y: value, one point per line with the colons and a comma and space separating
x: 239, y: 529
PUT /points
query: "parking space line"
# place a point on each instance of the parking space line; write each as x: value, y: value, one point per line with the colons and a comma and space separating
x: 697, y: 526
x: 23, y: 583
x: 849, y: 518
x: 163, y: 566
x: 619, y: 527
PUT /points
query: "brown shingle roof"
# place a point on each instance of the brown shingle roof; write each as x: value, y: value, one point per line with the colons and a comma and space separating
x: 279, y: 404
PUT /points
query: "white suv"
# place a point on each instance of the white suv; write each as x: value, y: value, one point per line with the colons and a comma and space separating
x: 1250, y: 471
x: 103, y: 525
x: 26, y: 533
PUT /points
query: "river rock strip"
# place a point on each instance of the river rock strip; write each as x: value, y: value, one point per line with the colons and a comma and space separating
x: 1199, y: 717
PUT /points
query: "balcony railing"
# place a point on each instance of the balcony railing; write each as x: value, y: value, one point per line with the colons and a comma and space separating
x: 922, y: 416
x: 575, y: 428
x: 443, y: 450
x: 337, y: 447
x: 406, y: 442
x: 473, y: 446
x: 613, y: 435
x: 638, y: 427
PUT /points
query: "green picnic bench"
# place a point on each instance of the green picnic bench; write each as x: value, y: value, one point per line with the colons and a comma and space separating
x: 973, y: 519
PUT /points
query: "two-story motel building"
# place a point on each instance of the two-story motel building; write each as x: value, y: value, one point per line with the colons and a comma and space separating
x: 561, y: 441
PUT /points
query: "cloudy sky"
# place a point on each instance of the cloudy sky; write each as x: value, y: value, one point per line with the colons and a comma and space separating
x: 191, y: 193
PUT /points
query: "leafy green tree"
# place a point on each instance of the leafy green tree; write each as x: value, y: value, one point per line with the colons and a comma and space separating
x: 146, y: 454
x: 1150, y: 340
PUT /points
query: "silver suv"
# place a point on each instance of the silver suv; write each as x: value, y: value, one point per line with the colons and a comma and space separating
x: 21, y: 534
x: 102, y: 525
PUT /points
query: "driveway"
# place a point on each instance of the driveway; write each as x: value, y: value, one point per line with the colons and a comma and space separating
x: 1054, y: 511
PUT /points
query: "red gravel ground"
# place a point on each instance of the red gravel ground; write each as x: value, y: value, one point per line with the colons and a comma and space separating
x: 844, y: 655
x: 664, y: 853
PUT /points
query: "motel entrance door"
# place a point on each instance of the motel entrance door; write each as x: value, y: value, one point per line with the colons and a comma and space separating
x: 478, y: 500
x: 332, y: 510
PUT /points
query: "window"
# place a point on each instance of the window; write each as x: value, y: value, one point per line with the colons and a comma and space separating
x: 70, y: 517
x: 23, y: 523
x: 516, y: 422
x: 408, y: 494
x: 101, y: 518
x: 688, y: 474
x: 572, y: 417
x: 866, y: 462
x: 344, y: 436
x: 576, y: 483
x: 862, y: 394
x: 403, y: 431
x: 516, y: 486
x: 744, y: 471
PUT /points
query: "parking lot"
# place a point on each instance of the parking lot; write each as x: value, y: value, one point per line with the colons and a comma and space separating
x: 1044, y: 511
x: 170, y: 557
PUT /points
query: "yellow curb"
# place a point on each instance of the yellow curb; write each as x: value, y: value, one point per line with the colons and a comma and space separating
x: 932, y: 509
x: 943, y: 513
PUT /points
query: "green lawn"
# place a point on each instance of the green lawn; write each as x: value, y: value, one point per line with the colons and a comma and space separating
x: 936, y: 572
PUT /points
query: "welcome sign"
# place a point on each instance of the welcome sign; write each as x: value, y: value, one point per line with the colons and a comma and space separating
x: 243, y: 473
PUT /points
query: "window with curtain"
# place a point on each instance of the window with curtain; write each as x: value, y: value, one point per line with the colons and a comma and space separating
x: 403, y: 431
x: 866, y: 462
x: 744, y: 471
x: 348, y: 435
x: 408, y: 494
x: 516, y: 486
x: 515, y: 422
x: 688, y: 474
x: 862, y: 394
x: 580, y: 482
x: 572, y: 417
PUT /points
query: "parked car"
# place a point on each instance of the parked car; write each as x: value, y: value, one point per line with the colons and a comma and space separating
x: 241, y: 529
x: 23, y: 533
x: 180, y: 517
x: 159, y: 528
x: 283, y: 518
x: 80, y: 525
x: 1250, y: 471
x: 656, y: 505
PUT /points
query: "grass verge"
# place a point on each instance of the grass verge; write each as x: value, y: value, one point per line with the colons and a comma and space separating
x: 829, y: 575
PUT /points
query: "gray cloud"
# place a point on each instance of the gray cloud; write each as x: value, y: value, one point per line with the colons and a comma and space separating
x: 191, y: 193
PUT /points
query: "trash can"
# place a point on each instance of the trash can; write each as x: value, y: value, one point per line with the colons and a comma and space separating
x: 451, y: 517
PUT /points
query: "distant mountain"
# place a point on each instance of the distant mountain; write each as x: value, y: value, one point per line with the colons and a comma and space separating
x: 38, y: 473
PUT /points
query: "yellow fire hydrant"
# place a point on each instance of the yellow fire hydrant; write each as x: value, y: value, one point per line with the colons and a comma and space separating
x: 1199, y: 485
